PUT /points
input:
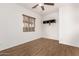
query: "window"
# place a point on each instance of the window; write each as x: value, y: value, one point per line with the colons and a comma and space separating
x: 29, y: 24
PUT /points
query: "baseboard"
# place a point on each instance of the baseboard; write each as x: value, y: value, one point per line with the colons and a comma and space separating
x: 28, y: 41
x: 19, y: 43
x: 50, y: 37
x: 65, y: 43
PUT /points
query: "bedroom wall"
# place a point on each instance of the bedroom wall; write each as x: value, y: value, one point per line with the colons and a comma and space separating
x: 11, y: 26
x: 51, y: 31
x: 69, y: 25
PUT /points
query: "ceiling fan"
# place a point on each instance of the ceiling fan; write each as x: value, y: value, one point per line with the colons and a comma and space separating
x: 42, y: 5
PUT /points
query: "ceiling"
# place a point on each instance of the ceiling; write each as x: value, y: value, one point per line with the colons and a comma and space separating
x: 48, y: 9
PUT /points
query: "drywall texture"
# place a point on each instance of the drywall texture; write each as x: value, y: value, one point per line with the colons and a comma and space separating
x: 51, y: 31
x: 69, y: 25
x: 11, y: 26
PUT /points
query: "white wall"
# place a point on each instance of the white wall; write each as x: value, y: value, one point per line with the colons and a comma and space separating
x: 69, y: 25
x: 51, y: 31
x: 11, y: 26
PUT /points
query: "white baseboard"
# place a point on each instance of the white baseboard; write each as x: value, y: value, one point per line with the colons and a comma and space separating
x: 50, y: 37
x: 70, y: 44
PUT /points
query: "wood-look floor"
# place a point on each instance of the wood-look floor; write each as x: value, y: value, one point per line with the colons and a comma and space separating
x: 41, y: 47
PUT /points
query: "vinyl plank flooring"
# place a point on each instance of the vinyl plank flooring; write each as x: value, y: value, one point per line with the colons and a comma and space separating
x: 41, y: 47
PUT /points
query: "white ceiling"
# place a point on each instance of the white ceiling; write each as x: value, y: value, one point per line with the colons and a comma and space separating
x: 48, y: 9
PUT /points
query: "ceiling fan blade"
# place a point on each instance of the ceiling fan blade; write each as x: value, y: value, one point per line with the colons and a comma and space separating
x: 49, y: 4
x: 42, y: 8
x: 35, y: 6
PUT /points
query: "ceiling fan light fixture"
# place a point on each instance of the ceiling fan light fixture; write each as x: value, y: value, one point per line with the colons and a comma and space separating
x: 41, y: 4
